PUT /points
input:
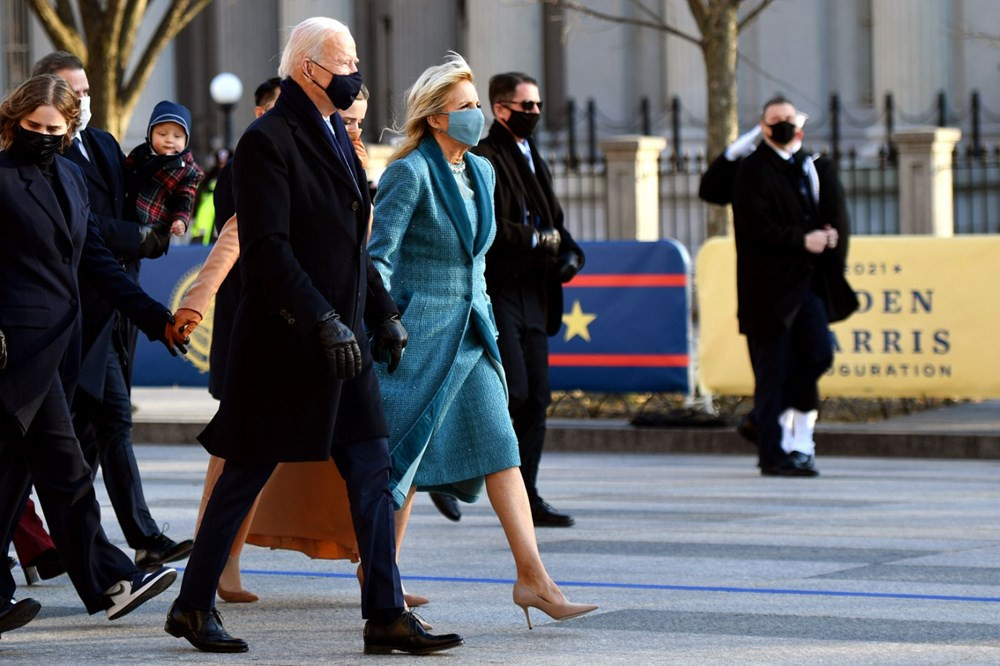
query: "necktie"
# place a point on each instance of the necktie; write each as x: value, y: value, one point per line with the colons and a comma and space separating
x: 348, y: 163
x: 79, y: 146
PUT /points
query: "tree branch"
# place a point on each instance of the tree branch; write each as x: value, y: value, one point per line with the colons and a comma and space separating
x: 655, y: 25
x: 699, y: 12
x: 64, y: 37
x: 131, y: 20
x: 754, y: 13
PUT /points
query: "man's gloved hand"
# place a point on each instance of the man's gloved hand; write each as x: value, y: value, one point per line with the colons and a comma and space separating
x: 172, y: 343
x: 185, y: 321
x: 341, y: 349
x: 390, y: 340
x: 568, y: 266
x: 745, y: 144
x: 3, y: 352
x: 153, y: 241
x: 548, y: 240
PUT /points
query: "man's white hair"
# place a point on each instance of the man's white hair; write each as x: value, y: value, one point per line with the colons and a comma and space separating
x: 306, y: 42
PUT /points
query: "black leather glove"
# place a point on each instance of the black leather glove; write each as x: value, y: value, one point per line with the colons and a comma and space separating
x: 568, y: 266
x: 153, y: 241
x: 548, y: 240
x: 170, y: 342
x: 343, y: 354
x: 390, y: 339
x: 3, y: 351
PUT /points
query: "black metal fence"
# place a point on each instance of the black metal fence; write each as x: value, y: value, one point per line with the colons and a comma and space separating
x: 977, y: 190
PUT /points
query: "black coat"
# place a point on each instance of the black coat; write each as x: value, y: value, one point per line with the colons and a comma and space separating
x: 511, y: 258
x: 302, y: 225
x: 105, y: 180
x: 774, y: 271
x: 41, y: 254
x: 228, y: 295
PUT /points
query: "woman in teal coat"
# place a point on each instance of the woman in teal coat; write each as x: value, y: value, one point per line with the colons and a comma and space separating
x: 446, y: 403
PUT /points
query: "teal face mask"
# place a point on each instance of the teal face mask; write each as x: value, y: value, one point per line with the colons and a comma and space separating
x: 466, y: 126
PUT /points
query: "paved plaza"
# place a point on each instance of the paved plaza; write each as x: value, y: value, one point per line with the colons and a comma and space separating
x: 694, y: 559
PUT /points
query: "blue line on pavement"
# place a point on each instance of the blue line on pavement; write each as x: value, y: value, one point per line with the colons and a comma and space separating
x: 651, y: 586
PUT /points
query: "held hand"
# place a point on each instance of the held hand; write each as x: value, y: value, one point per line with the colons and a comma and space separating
x: 171, y: 340
x: 341, y: 349
x: 152, y: 242
x: 178, y: 228
x: 816, y: 241
x: 390, y: 340
x: 186, y: 320
x: 568, y: 266
x: 3, y: 352
x: 548, y: 240
x: 832, y: 237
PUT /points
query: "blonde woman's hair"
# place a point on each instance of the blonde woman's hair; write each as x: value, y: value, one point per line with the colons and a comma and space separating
x: 306, y: 42
x: 428, y: 97
x: 41, y: 90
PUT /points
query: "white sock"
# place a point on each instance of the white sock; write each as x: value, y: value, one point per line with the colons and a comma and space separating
x: 804, y: 425
x: 787, y: 431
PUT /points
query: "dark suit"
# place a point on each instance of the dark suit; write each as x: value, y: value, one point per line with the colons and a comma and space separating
x: 716, y: 185
x: 228, y: 295
x: 524, y: 287
x: 102, y: 407
x: 786, y: 295
x: 302, y: 224
x: 46, y: 238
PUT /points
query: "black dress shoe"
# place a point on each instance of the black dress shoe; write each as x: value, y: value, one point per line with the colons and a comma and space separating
x: 747, y: 429
x: 159, y: 550
x: 803, y: 461
x: 406, y: 634
x: 16, y: 614
x: 447, y: 505
x: 47, y: 565
x: 202, y: 629
x: 788, y: 467
x: 544, y: 515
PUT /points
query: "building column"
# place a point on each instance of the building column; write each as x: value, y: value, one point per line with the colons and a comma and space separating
x: 925, y: 180
x: 633, y: 186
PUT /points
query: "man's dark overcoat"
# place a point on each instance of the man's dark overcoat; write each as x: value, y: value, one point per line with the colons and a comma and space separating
x: 511, y: 255
x: 302, y: 225
x: 771, y: 218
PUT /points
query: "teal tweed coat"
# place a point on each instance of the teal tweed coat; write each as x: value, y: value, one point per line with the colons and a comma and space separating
x: 446, y: 404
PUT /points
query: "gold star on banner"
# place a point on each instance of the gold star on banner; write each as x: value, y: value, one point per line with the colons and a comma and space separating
x: 577, y: 322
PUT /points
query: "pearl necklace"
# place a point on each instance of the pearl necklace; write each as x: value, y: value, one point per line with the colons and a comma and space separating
x: 457, y: 168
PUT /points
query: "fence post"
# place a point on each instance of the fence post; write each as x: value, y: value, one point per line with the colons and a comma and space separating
x: 633, y: 186
x: 977, y: 146
x: 574, y: 159
x: 645, y: 122
x: 925, y: 180
x: 890, y: 126
x: 835, y: 127
x: 675, y: 126
x: 592, y: 131
x: 942, y: 107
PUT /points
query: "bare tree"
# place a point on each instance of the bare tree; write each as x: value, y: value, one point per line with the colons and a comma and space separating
x: 719, y: 24
x: 104, y: 38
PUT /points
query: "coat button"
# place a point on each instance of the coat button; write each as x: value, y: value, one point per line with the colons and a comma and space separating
x: 468, y: 297
x: 65, y: 260
x: 356, y: 205
x: 291, y: 321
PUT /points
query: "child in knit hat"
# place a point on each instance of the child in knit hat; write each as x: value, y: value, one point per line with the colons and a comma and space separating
x: 162, y: 176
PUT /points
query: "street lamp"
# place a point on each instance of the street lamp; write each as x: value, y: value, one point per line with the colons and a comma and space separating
x: 226, y: 89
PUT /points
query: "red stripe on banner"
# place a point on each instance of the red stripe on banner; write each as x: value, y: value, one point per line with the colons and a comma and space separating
x: 627, y: 280
x: 620, y: 360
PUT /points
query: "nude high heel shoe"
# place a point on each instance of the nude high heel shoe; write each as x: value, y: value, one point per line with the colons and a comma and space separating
x: 236, y: 596
x: 526, y: 598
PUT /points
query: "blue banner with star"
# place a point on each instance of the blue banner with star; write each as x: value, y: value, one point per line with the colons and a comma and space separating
x: 626, y: 321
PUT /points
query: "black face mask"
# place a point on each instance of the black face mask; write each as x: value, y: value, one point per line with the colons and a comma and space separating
x: 523, y: 124
x: 342, y: 89
x: 782, y: 132
x: 35, y: 147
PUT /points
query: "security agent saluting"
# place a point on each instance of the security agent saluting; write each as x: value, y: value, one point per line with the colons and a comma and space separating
x: 531, y: 258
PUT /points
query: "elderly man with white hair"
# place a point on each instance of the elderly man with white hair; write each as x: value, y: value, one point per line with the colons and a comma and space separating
x: 299, y: 386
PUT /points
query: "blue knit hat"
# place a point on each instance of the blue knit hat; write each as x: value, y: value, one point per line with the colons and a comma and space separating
x: 169, y: 112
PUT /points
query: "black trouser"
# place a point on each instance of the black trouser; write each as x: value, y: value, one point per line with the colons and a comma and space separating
x: 365, y: 467
x: 524, y: 350
x: 105, y: 431
x: 786, y: 369
x: 49, y: 456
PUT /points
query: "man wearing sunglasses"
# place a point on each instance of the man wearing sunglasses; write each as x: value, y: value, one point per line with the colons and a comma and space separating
x: 531, y: 258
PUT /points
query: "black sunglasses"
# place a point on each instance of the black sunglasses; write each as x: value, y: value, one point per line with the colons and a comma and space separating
x: 526, y: 105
